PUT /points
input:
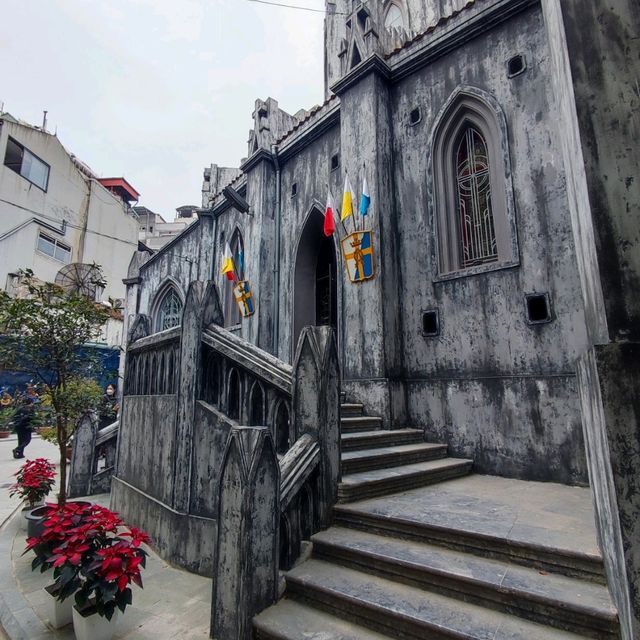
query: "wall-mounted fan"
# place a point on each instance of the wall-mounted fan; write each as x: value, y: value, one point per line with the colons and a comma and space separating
x: 82, y: 279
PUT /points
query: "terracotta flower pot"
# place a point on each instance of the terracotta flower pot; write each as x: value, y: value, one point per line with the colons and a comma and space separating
x: 5, y: 434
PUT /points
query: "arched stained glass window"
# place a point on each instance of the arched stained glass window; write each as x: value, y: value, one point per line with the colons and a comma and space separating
x: 169, y: 311
x: 473, y: 206
x: 473, y: 194
x: 393, y: 18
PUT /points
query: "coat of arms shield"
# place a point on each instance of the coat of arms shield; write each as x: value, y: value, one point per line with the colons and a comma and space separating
x: 244, y: 299
x: 357, y: 249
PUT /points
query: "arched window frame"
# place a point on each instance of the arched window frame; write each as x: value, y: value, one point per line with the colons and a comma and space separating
x: 232, y: 315
x: 388, y: 9
x: 167, y: 290
x: 469, y: 106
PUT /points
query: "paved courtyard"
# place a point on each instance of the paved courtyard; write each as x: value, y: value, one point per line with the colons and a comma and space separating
x: 173, y: 603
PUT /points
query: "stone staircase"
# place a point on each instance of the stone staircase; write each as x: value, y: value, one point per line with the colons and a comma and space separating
x: 377, y: 462
x: 409, y: 561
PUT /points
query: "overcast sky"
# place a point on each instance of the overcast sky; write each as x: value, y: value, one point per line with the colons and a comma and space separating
x: 156, y: 90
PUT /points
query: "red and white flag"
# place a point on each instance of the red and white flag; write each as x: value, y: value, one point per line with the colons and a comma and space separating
x: 329, y: 223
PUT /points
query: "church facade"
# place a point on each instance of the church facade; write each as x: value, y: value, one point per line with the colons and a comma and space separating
x: 472, y: 323
x: 487, y: 298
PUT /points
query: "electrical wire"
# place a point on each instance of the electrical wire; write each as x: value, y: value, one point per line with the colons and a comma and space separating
x: 294, y: 6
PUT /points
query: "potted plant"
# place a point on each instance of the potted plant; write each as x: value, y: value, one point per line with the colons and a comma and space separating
x: 95, y: 556
x: 34, y: 481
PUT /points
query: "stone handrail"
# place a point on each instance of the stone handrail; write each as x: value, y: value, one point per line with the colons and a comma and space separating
x: 156, y: 340
x: 90, y: 446
x: 268, y: 506
x: 259, y: 362
x: 296, y: 467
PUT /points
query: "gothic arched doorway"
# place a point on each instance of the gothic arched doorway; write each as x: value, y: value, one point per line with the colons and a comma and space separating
x: 315, y: 281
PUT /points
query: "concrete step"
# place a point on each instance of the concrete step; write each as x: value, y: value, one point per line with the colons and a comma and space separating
x: 405, y: 612
x: 437, y: 517
x: 291, y: 620
x: 382, y: 438
x: 379, y: 482
x: 556, y: 600
x: 381, y: 457
x: 351, y: 409
x: 360, y: 423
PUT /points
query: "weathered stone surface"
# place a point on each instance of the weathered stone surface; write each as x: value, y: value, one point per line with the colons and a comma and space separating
x: 245, y: 567
x: 201, y: 305
x: 610, y: 393
x: 316, y: 406
x: 140, y: 328
x: 146, y: 448
x: 83, y: 456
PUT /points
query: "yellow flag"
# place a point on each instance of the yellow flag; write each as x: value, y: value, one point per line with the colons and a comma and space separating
x: 347, y: 200
x: 227, y: 263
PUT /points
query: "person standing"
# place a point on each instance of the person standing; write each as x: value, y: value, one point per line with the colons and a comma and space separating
x: 24, y: 420
x: 108, y: 407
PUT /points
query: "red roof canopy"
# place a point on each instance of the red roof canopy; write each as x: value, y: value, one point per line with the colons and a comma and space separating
x: 120, y: 187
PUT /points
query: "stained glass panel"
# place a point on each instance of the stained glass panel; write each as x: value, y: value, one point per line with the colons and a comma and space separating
x: 170, y: 313
x: 475, y: 215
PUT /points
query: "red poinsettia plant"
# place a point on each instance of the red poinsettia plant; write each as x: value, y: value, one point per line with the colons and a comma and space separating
x: 93, y: 554
x: 34, y: 480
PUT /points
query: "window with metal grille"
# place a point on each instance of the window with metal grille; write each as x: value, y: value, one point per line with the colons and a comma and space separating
x: 477, y: 235
x: 170, y: 311
x: 473, y: 205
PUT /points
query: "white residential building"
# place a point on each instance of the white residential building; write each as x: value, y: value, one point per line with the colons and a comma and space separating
x: 154, y: 231
x: 55, y: 211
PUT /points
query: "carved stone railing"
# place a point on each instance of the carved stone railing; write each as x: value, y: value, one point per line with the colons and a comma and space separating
x: 218, y: 497
x: 152, y: 364
x: 93, y: 457
x: 268, y: 506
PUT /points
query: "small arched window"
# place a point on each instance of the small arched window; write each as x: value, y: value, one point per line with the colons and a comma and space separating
x: 473, y: 201
x: 169, y: 311
x: 393, y: 17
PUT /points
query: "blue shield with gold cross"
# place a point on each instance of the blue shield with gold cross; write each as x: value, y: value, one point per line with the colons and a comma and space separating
x: 244, y: 299
x: 357, y: 249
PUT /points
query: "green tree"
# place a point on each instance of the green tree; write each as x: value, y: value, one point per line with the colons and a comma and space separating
x: 43, y: 333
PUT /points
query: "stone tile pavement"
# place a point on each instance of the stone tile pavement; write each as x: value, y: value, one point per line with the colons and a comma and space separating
x: 173, y: 603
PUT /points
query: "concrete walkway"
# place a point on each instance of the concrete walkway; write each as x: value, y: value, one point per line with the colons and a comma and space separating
x: 173, y: 603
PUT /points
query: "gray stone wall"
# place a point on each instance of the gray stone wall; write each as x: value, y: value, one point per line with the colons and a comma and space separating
x: 310, y: 170
x: 211, y: 431
x: 146, y: 453
x: 487, y: 355
x: 185, y: 259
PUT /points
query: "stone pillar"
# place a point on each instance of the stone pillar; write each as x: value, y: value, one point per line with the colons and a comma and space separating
x: 201, y: 308
x: 594, y: 48
x: 609, y: 381
x: 316, y: 407
x: 371, y: 309
x: 83, y: 457
x: 245, y: 576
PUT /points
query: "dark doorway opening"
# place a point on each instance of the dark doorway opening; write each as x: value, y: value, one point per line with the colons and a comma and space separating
x: 316, y: 287
x: 326, y: 313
